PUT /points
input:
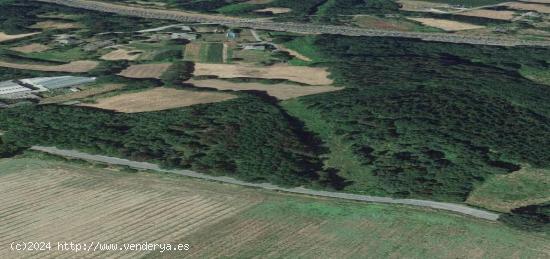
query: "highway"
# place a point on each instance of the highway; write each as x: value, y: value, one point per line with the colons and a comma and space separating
x: 303, y: 28
x: 456, y: 208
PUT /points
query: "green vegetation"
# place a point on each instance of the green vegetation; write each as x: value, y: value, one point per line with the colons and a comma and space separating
x: 532, y: 217
x: 179, y: 72
x: 517, y: 189
x: 211, y: 53
x: 246, y: 138
x: 293, y: 227
x: 469, y: 3
x: 422, y: 122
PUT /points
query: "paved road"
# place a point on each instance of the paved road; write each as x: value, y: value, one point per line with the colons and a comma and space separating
x: 457, y: 208
x: 305, y: 28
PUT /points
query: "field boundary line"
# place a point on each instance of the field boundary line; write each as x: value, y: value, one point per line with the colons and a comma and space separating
x: 453, y: 207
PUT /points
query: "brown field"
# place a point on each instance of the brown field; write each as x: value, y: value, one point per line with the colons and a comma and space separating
x: 54, y: 201
x: 54, y: 25
x: 294, y: 53
x: 83, y: 94
x: 491, y: 14
x: 446, y: 25
x: 193, y: 51
x: 275, y: 10
x: 34, y: 47
x: 541, y: 8
x: 57, y: 202
x: 505, y: 192
x: 301, y: 74
x: 6, y: 37
x: 145, y: 70
x: 73, y: 67
x: 280, y: 91
x: 157, y: 99
x: 122, y: 54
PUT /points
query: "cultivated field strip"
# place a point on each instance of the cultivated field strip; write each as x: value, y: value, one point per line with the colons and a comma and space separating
x: 63, y: 205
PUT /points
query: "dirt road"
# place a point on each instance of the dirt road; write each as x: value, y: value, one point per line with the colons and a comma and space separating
x: 309, y: 28
x: 457, y: 208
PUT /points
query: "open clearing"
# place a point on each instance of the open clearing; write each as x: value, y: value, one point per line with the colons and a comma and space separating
x: 301, y: 74
x: 122, y: 54
x: 421, y: 6
x: 34, y: 47
x: 73, y: 67
x: 145, y: 70
x: 6, y: 37
x: 157, y: 99
x: 491, y: 14
x: 293, y: 53
x: 83, y: 94
x: 280, y: 91
x: 541, y: 8
x: 54, y: 25
x: 447, y: 25
x: 505, y: 192
x: 220, y: 220
x: 274, y: 10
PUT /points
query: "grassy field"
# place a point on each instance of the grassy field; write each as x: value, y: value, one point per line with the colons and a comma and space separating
x: 212, y: 53
x: 505, y: 192
x: 219, y: 220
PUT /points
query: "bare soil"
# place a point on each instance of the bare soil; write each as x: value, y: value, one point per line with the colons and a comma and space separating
x: 301, y: 74
x: 6, y: 37
x: 491, y: 14
x: 447, y: 25
x: 73, y: 67
x: 280, y: 91
x: 145, y: 70
x: 157, y: 99
x: 122, y: 54
x: 34, y: 47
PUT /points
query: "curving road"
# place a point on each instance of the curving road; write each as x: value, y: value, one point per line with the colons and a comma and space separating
x: 457, y: 208
x: 305, y: 28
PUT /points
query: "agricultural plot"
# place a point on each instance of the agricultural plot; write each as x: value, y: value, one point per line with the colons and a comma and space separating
x: 192, y: 52
x: 274, y: 10
x: 145, y: 70
x: 490, y: 14
x: 300, y: 74
x: 83, y: 204
x: 212, y: 53
x: 279, y: 91
x: 447, y: 25
x: 122, y: 54
x: 541, y: 8
x: 220, y: 220
x: 157, y: 99
x: 30, y: 48
x: 72, y: 67
x: 6, y: 37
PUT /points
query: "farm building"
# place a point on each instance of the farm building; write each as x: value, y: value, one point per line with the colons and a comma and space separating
x: 66, y: 39
x: 12, y: 87
x: 25, y: 88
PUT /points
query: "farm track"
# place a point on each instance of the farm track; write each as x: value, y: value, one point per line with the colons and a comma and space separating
x: 457, y: 208
x: 262, y: 24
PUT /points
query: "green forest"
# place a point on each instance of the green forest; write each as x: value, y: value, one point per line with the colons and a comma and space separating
x: 248, y: 138
x: 431, y: 120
